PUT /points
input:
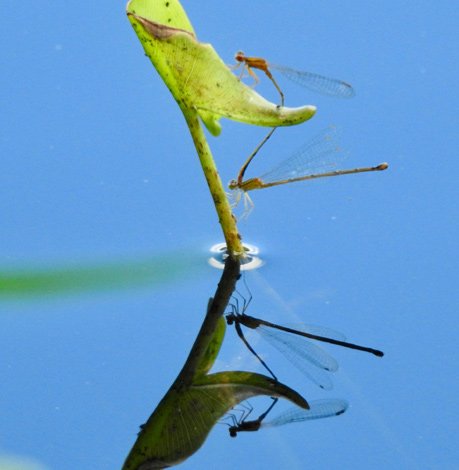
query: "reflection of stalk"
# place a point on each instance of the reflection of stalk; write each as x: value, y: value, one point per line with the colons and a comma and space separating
x: 226, y: 218
x: 194, y: 364
x: 197, y: 400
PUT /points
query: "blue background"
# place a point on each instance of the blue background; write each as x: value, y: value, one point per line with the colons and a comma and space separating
x: 97, y: 164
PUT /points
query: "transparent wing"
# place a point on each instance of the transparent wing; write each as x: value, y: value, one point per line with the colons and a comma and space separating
x: 318, y: 409
x: 302, y: 347
x: 309, y: 358
x: 319, y: 155
x: 318, y: 83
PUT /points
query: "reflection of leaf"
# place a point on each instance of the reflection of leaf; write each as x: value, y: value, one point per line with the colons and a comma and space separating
x: 249, y: 384
x: 181, y: 422
x: 196, y: 75
x: 110, y: 275
x: 208, y: 358
x: 196, y: 401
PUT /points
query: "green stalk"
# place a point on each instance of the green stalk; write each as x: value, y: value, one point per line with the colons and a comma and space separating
x: 225, y: 215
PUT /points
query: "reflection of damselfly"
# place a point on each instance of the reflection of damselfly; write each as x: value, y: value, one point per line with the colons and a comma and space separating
x: 312, y: 81
x: 292, y: 343
x: 317, y: 409
x: 316, y: 159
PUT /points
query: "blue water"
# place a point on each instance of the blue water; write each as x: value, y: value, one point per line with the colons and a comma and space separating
x: 97, y: 166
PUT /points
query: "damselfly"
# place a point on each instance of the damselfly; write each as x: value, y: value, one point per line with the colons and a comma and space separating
x: 312, y: 81
x: 293, y: 343
x: 318, y: 409
x: 316, y: 159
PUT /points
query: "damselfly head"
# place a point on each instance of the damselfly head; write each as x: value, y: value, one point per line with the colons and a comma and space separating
x: 232, y: 184
x: 239, y: 56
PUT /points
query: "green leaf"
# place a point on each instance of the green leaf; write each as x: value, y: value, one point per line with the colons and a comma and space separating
x: 197, y: 77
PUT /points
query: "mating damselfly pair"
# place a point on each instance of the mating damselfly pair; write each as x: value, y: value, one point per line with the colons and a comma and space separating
x: 313, y: 361
x: 317, y: 158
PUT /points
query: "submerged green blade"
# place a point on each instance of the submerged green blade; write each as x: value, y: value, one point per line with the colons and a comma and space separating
x: 64, y: 280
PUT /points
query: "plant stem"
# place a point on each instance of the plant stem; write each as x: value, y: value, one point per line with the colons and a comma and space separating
x: 225, y: 215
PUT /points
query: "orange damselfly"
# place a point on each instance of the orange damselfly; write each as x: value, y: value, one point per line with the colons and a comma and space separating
x: 316, y: 159
x: 312, y: 81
